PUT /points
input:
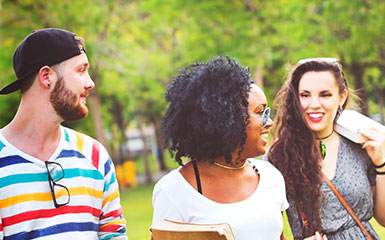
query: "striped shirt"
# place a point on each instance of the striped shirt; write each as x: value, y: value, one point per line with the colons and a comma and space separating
x: 27, y: 210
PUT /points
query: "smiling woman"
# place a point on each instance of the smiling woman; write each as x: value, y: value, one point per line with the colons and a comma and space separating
x: 319, y: 101
x: 218, y: 118
x: 307, y: 149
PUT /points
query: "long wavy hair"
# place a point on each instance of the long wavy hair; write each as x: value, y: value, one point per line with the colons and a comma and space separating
x: 208, y: 103
x: 295, y: 151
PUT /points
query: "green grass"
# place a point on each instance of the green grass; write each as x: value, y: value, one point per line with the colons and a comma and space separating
x: 137, y: 209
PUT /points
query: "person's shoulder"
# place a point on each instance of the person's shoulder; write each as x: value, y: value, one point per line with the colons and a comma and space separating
x: 260, y: 163
x: 348, y: 147
x: 88, y: 147
x: 169, y: 185
x: 71, y: 134
x: 81, y: 139
x: 170, y: 178
x: 263, y: 165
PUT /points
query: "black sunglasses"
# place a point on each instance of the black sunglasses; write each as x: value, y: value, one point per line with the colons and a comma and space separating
x: 55, y: 174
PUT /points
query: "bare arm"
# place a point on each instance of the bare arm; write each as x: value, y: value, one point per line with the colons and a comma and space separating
x: 375, y: 147
x: 379, y: 198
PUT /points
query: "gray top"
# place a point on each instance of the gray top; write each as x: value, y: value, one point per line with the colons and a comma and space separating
x: 355, y: 174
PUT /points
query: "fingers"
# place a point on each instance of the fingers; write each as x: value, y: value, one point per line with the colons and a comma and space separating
x: 372, y: 144
x: 372, y: 134
x: 317, y: 236
x: 375, y: 145
x: 310, y: 238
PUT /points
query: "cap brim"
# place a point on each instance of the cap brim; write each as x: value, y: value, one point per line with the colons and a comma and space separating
x: 14, y: 86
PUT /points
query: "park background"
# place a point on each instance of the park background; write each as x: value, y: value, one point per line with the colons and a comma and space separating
x: 135, y: 48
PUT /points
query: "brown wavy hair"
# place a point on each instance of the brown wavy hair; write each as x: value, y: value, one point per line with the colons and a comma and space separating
x: 295, y: 151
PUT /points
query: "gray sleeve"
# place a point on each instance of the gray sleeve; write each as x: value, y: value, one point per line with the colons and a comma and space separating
x: 371, y: 173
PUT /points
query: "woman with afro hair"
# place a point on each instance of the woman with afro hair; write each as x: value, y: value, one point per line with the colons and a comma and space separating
x: 308, y: 151
x: 216, y: 123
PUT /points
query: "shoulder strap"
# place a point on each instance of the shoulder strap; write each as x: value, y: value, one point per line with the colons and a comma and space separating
x: 198, y: 179
x: 346, y: 205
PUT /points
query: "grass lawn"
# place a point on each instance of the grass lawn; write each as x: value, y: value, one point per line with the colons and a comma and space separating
x: 137, y: 209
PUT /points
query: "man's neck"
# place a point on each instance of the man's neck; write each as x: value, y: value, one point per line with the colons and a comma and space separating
x: 34, y: 131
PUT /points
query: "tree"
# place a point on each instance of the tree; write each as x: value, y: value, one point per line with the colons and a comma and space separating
x: 136, y: 47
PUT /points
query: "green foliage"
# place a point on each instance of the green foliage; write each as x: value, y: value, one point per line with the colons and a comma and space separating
x: 170, y: 163
x: 136, y: 47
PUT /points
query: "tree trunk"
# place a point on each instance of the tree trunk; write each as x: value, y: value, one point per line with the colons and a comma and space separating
x: 381, y: 92
x: 144, y: 153
x: 117, y: 112
x: 358, y: 71
x: 159, y: 147
x: 94, y: 99
x: 380, y: 101
x: 258, y: 77
x: 94, y: 103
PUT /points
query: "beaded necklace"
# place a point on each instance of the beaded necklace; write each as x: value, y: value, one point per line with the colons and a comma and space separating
x: 322, y: 144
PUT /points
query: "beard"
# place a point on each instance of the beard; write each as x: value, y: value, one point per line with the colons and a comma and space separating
x: 66, y: 103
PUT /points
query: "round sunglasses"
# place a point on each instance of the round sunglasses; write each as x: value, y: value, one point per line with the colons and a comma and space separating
x: 265, y: 116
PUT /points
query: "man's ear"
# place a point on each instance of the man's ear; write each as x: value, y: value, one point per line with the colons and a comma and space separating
x: 45, y: 75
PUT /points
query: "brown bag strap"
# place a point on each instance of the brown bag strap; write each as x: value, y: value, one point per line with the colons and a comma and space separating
x: 346, y: 205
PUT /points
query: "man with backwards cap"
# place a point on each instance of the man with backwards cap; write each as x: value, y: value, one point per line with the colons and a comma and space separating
x: 55, y: 183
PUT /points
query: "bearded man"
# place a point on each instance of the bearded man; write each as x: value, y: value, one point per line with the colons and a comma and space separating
x: 55, y: 183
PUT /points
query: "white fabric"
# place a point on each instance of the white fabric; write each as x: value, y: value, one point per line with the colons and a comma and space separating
x: 257, y: 217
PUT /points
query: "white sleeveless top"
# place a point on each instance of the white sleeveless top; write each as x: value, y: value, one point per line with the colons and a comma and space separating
x: 257, y: 217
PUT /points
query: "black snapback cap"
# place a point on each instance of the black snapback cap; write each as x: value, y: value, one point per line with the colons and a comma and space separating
x: 42, y: 47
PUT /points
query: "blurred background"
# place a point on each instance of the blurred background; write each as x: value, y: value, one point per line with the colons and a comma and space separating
x: 135, y: 48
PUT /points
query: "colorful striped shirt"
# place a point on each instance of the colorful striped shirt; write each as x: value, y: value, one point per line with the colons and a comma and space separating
x: 27, y: 209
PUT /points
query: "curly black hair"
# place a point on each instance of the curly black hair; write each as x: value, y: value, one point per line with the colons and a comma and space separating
x: 208, y: 103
